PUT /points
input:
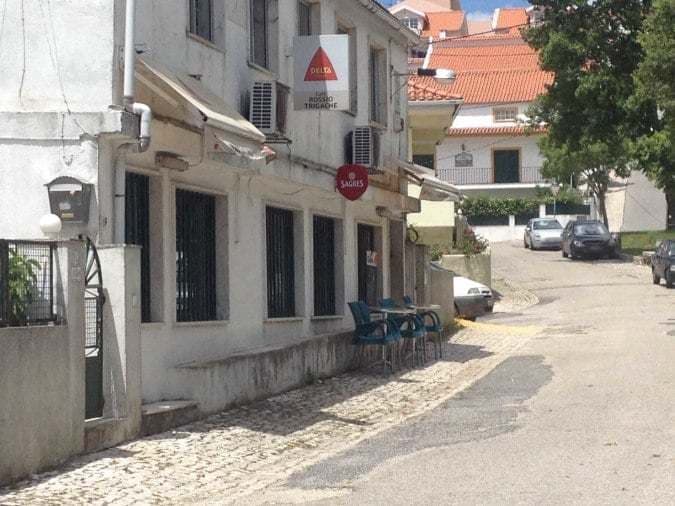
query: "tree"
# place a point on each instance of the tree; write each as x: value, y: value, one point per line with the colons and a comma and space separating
x: 654, y: 150
x: 592, y: 50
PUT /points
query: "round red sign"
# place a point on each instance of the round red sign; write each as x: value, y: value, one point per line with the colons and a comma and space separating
x: 352, y: 181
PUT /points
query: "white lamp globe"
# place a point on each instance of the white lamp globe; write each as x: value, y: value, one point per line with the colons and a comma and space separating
x: 50, y: 224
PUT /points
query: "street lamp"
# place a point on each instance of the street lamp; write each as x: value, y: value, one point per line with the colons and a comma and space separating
x: 555, y: 189
x: 441, y: 76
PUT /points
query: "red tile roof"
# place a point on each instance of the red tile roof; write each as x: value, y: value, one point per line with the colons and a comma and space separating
x: 496, y: 131
x: 511, y: 19
x: 500, y: 86
x: 483, y: 57
x: 437, y: 22
x: 427, y: 89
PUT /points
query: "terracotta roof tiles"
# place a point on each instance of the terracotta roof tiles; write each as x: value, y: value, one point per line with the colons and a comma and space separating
x: 511, y: 19
x: 448, y: 21
x: 428, y: 89
x: 496, y: 86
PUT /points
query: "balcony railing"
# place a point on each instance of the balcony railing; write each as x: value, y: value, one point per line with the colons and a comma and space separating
x: 485, y: 175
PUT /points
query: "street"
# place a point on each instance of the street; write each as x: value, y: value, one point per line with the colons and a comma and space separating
x: 583, y: 413
x: 566, y: 398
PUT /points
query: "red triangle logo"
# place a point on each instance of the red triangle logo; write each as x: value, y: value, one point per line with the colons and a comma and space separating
x: 320, y: 68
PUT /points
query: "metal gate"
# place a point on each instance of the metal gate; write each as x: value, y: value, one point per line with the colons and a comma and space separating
x: 94, y: 299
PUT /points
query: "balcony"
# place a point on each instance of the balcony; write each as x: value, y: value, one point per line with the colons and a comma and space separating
x: 485, y: 176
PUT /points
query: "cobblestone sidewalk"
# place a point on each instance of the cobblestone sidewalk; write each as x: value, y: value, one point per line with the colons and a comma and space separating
x: 240, y: 451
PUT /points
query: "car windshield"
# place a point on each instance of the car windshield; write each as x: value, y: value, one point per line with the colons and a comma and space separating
x: 590, y: 229
x: 671, y: 250
x: 546, y: 225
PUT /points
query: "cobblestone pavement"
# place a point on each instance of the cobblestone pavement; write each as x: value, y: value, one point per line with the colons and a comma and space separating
x: 240, y: 451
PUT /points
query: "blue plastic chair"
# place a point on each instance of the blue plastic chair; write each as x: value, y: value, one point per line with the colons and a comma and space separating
x: 369, y: 332
x: 432, y: 324
x: 412, y: 329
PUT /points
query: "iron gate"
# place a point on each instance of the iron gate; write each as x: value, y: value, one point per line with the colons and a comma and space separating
x: 94, y: 299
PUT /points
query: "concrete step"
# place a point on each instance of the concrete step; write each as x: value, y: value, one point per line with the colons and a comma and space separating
x: 161, y: 416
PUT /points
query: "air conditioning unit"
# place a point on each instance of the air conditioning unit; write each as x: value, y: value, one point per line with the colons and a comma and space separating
x: 263, y: 106
x: 362, y: 146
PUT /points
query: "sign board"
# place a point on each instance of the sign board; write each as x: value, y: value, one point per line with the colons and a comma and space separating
x: 352, y: 181
x: 321, y: 73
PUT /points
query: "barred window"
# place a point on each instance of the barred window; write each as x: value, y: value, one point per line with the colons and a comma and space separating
x: 505, y: 113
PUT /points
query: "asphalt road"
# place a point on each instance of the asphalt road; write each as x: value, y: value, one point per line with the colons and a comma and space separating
x: 583, y: 414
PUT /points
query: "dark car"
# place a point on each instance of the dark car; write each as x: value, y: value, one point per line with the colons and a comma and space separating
x: 588, y: 238
x: 663, y: 263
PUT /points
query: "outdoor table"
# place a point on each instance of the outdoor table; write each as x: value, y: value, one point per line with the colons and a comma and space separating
x: 430, y: 307
x: 392, y: 310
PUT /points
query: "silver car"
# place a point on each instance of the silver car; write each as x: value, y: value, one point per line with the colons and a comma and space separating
x: 543, y: 233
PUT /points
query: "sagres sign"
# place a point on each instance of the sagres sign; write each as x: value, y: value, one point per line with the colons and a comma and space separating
x: 321, y: 72
x: 352, y: 181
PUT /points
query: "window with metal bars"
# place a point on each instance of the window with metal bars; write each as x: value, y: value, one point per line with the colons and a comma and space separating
x: 280, y: 263
x: 195, y: 256
x: 137, y: 230
x: 200, y: 18
x: 324, y: 266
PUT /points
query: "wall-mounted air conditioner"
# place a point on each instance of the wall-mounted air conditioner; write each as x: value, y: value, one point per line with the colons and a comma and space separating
x: 263, y: 106
x: 362, y: 146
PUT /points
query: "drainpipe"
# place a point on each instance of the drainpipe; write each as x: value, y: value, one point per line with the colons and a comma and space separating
x: 143, y: 110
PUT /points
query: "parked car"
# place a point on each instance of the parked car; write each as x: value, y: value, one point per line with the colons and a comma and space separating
x: 472, y: 299
x: 543, y: 233
x: 663, y: 263
x: 588, y: 238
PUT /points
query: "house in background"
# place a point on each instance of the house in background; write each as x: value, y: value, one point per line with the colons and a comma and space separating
x: 488, y: 150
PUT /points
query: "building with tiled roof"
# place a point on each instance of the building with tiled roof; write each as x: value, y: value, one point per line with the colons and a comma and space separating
x: 443, y: 25
x: 428, y: 89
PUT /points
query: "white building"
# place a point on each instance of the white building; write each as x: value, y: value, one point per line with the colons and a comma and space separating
x: 247, y: 247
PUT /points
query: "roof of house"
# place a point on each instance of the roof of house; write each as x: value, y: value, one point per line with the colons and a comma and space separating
x: 478, y: 25
x: 500, y: 86
x: 485, y: 57
x: 420, y: 6
x: 437, y: 22
x: 511, y: 18
x: 428, y: 89
x: 495, y: 131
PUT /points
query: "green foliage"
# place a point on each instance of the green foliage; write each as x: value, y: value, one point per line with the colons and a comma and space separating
x: 438, y: 250
x: 22, y: 281
x: 592, y: 50
x: 654, y: 150
x: 484, y: 206
x: 634, y: 243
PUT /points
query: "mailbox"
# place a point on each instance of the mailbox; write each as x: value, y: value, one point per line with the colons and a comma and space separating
x: 69, y: 199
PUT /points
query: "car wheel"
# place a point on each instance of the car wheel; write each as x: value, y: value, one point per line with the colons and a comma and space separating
x: 669, y: 279
x: 525, y: 244
x: 655, y: 277
x: 564, y: 253
x: 457, y: 315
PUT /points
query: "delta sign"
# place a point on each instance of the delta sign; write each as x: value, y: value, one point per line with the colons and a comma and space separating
x: 321, y: 73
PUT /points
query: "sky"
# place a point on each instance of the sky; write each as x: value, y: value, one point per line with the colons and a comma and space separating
x: 480, y: 8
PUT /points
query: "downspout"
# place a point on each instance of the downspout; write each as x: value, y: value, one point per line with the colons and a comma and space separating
x: 142, y: 110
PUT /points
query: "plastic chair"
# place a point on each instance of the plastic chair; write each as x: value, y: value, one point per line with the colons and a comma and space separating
x: 432, y: 324
x: 374, y: 332
x: 412, y: 329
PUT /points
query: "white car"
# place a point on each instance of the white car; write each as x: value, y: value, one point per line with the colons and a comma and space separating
x: 543, y: 233
x: 472, y: 299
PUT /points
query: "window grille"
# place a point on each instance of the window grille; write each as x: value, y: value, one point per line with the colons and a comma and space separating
x: 505, y: 113
x: 304, y: 18
x: 195, y: 256
x: 137, y: 230
x: 280, y: 263
x: 324, y: 266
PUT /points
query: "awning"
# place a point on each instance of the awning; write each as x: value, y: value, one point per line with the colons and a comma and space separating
x: 215, y: 111
x: 433, y: 189
x: 228, y: 152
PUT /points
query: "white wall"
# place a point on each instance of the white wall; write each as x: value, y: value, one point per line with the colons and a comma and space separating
x: 42, y: 380
x: 482, y: 115
x: 481, y: 148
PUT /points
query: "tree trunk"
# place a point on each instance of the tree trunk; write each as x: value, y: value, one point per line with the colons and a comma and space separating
x: 602, y: 201
x: 670, y: 208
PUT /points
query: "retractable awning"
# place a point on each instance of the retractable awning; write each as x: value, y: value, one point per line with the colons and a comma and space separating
x: 214, y: 110
x: 432, y: 188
